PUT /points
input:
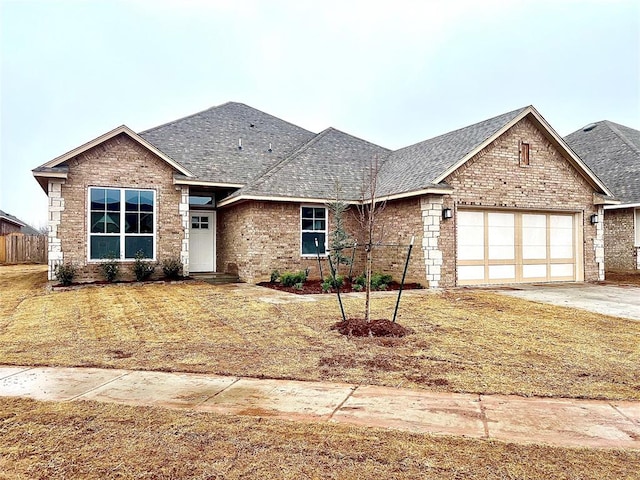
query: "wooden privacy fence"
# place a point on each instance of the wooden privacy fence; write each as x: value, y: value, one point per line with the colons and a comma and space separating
x: 19, y: 248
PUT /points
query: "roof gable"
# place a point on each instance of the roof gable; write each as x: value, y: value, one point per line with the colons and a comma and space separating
x: 123, y: 129
x: 429, y: 162
x: 612, y: 151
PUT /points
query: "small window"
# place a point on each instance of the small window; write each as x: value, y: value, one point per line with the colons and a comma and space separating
x: 524, y: 154
x: 313, y: 227
x: 200, y: 222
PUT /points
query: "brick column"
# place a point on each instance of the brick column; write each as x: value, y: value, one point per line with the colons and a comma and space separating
x: 56, y: 207
x: 183, y: 209
x: 431, y: 207
x: 598, y: 243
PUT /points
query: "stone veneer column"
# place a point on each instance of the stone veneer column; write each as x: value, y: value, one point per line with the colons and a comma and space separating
x: 431, y: 207
x: 183, y: 208
x: 598, y: 243
x: 55, y: 255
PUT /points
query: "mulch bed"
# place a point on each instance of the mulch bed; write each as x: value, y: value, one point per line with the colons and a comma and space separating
x: 311, y: 287
x: 359, y: 327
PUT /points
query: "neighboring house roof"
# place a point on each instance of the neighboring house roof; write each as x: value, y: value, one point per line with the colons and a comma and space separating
x: 24, y: 228
x: 612, y: 151
x: 208, y: 142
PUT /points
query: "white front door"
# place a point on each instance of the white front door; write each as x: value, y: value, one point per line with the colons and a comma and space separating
x: 202, y: 241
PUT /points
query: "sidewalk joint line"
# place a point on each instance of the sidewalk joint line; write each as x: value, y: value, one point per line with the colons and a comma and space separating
x: 218, y: 393
x: 101, y: 385
x: 625, y: 416
x: 26, y: 369
x: 483, y: 416
x: 340, y: 405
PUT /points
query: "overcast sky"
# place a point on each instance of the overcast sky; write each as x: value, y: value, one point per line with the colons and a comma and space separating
x: 391, y: 72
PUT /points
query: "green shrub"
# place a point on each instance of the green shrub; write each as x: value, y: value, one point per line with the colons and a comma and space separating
x: 330, y: 283
x: 380, y: 281
x: 110, y: 268
x: 275, y: 274
x: 360, y: 280
x: 142, y: 268
x: 172, y: 268
x: 356, y: 287
x: 64, y: 273
x: 298, y: 286
x: 289, y: 279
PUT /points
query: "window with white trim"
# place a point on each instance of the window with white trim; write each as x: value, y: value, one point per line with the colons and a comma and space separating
x: 121, y: 223
x: 637, y: 227
x: 313, y: 227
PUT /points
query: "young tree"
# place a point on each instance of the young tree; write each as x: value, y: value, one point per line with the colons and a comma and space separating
x: 369, y: 211
x: 338, y: 238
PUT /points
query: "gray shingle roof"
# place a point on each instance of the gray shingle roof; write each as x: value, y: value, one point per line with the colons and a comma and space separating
x: 418, y: 166
x: 207, y: 142
x: 313, y: 170
x: 612, y: 151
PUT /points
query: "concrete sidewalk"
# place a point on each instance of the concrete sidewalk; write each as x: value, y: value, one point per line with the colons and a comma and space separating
x: 563, y: 422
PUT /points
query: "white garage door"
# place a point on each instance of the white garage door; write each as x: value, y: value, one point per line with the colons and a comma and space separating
x: 515, y: 247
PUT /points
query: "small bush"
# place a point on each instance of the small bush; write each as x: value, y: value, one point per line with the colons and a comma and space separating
x: 172, y: 268
x: 298, y: 286
x: 379, y: 281
x: 332, y: 282
x: 356, y: 287
x: 142, y: 268
x: 326, y: 286
x: 64, y: 273
x: 289, y: 279
x: 275, y: 274
x: 110, y: 268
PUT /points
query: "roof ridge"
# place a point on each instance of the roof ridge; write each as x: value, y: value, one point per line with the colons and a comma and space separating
x: 486, y: 120
x: 220, y: 106
x: 278, y: 164
x: 614, y: 127
x: 183, y: 118
x: 357, y: 138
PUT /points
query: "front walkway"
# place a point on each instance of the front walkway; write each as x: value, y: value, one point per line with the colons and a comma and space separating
x: 562, y: 422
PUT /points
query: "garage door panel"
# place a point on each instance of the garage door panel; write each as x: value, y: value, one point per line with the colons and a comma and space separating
x: 534, y: 271
x: 515, y: 247
x: 502, y: 272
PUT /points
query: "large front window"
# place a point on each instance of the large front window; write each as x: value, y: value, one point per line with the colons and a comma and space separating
x: 314, y: 228
x: 121, y: 223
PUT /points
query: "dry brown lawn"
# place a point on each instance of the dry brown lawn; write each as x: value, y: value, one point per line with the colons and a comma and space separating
x: 463, y: 341
x: 43, y: 440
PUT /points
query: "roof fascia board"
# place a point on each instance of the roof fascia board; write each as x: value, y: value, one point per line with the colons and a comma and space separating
x: 50, y: 174
x: 204, y: 183
x: 530, y: 110
x: 11, y: 220
x: 622, y: 205
x: 106, y: 136
x: 414, y: 193
x: 266, y: 198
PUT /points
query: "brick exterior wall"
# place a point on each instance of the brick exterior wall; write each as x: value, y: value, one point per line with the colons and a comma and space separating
x: 255, y: 238
x: 620, y: 252
x: 123, y: 163
x: 495, y: 179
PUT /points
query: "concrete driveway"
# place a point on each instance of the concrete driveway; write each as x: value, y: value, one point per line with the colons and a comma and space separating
x: 615, y: 300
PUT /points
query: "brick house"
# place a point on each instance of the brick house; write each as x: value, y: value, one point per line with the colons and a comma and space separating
x: 612, y: 151
x: 233, y: 189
